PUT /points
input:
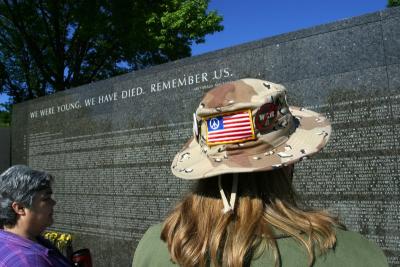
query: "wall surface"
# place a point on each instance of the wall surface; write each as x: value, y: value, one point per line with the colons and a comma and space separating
x: 110, y: 143
x: 5, y: 148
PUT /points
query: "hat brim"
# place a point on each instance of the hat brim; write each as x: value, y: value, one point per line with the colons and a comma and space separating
x: 310, y: 136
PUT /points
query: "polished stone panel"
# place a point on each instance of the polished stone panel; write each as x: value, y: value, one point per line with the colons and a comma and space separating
x: 330, y: 52
x: 391, y: 38
x: 394, y: 77
x: 5, y: 149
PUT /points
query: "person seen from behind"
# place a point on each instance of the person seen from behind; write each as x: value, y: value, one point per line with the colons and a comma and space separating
x: 243, y: 210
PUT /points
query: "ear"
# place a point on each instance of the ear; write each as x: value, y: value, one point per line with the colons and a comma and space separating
x: 18, y: 208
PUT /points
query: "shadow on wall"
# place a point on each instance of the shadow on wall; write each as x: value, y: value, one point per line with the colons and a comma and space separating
x: 5, y: 148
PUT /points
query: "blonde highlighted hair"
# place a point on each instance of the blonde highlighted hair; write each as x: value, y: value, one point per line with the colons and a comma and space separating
x: 198, y: 233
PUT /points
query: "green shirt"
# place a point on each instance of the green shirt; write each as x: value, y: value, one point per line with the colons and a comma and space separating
x: 351, y: 250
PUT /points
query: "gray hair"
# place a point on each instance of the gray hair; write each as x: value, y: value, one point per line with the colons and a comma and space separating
x: 20, y: 183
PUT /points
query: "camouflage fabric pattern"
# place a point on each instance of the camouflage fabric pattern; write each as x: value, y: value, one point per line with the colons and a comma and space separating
x: 284, y: 135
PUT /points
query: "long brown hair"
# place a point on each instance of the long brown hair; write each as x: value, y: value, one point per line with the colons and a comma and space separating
x: 198, y: 233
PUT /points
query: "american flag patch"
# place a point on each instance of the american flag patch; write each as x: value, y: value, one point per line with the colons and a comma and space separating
x: 230, y: 128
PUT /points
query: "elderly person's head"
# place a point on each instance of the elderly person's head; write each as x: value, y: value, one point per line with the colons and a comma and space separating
x: 26, y: 204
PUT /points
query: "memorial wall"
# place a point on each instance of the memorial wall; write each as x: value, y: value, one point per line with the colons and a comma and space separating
x: 110, y: 143
x: 5, y: 149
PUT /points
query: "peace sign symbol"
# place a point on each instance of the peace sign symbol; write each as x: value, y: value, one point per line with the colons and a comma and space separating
x: 214, y: 123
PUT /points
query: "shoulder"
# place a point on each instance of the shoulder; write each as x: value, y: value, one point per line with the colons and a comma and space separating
x: 151, y: 250
x: 150, y: 238
x: 18, y: 252
x: 358, y: 250
x: 351, y: 249
x: 24, y: 260
x: 154, y: 232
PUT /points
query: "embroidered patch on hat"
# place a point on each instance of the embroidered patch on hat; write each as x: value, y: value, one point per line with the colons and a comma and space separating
x: 228, y: 128
x: 266, y: 116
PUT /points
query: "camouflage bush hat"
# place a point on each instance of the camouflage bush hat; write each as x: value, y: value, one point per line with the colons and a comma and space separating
x: 247, y: 126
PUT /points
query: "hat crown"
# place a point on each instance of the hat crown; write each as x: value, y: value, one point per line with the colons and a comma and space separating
x: 238, y: 95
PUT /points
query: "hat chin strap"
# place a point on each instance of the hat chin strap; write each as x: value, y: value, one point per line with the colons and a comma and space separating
x: 228, y: 206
